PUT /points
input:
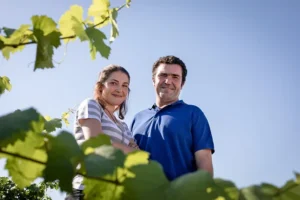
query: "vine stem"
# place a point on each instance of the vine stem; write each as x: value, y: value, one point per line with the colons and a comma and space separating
x: 62, y: 38
x: 116, y: 182
x: 22, y: 157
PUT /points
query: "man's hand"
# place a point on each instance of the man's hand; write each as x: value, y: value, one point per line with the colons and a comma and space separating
x: 204, y: 160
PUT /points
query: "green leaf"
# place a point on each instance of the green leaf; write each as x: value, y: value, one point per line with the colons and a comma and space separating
x: 52, y: 125
x: 79, y: 30
x: 105, y: 163
x: 1, y: 43
x: 20, y: 35
x: 8, y: 31
x: 114, y: 26
x: 104, y: 190
x: 192, y: 186
x: 136, y: 158
x: 16, y: 125
x: 254, y: 192
x: 22, y: 171
x: 70, y: 22
x: 96, y: 43
x: 99, y: 10
x: 290, y: 191
x: 94, y: 142
x: 4, y: 84
x: 64, y: 155
x: 268, y: 189
x: 47, y: 36
x: 227, y: 189
x: 128, y: 2
x: 297, y: 177
x: 148, y: 182
x: 65, y: 117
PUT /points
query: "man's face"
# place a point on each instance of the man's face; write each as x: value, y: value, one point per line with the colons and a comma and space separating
x: 167, y: 82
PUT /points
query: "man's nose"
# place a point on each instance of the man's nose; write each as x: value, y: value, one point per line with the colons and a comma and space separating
x: 168, y: 80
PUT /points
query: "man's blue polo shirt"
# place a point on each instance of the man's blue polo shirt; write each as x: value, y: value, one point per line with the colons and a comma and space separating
x: 172, y: 135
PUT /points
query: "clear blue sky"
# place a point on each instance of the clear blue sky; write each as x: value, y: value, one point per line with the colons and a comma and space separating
x: 243, y: 72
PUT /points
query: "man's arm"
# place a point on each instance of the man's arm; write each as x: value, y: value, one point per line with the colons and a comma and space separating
x: 204, y: 160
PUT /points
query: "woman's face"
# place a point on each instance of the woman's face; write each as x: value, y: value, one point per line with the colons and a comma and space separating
x: 115, y: 88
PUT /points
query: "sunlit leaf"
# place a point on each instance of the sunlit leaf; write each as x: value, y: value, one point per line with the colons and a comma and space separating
x: 16, y: 37
x: 79, y: 30
x: 24, y: 172
x: 114, y: 26
x: 4, y: 84
x: 65, y: 117
x: 97, y: 189
x: 71, y: 21
x: 99, y: 10
x: 128, y: 2
x: 136, y: 158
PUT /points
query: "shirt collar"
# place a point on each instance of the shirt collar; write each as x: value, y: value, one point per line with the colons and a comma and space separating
x: 154, y: 106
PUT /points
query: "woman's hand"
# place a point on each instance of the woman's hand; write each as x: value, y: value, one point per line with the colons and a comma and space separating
x: 133, y: 144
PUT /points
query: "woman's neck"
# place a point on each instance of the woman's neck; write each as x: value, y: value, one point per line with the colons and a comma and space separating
x: 110, y: 108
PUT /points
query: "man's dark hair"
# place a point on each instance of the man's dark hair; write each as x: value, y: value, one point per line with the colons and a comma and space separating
x: 170, y: 60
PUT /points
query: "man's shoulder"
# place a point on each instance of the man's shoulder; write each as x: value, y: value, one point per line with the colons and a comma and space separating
x: 191, y: 107
x: 142, y: 113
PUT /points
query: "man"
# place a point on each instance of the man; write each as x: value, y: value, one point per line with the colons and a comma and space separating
x: 176, y: 135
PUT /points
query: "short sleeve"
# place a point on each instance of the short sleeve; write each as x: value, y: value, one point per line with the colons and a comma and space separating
x: 127, y: 130
x: 202, y: 137
x: 89, y: 109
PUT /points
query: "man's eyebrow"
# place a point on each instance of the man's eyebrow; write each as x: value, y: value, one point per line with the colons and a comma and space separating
x: 169, y: 74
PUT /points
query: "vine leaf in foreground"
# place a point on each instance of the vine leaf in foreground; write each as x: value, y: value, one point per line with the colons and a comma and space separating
x: 47, y: 37
x: 64, y: 155
x: 15, y: 126
x: 105, y: 160
x: 52, y: 124
x: 148, y: 182
x: 226, y: 189
x: 266, y: 191
x: 24, y: 172
x: 192, y: 186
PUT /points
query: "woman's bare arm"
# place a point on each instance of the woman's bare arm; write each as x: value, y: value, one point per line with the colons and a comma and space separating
x: 92, y: 128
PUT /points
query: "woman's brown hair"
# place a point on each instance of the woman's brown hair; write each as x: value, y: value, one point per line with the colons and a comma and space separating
x: 103, y: 76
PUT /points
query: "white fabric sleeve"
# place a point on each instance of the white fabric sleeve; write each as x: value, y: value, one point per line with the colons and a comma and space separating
x: 90, y: 109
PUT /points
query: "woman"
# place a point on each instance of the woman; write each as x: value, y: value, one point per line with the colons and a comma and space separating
x: 96, y: 116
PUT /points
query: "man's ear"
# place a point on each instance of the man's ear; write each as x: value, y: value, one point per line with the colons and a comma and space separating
x: 153, y: 82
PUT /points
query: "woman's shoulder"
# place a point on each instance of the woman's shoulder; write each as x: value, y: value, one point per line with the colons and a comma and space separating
x: 89, y: 103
